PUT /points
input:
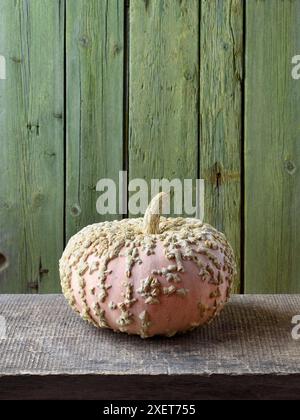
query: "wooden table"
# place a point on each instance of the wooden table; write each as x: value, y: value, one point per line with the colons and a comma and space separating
x: 248, y: 352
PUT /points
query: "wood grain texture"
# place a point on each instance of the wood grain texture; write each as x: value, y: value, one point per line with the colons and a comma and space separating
x: 163, y: 89
x: 32, y: 149
x: 94, y: 48
x: 247, y: 352
x: 221, y: 73
x: 272, y: 150
x: 251, y: 336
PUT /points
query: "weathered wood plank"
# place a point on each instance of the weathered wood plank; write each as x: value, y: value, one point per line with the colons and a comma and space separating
x: 272, y: 148
x: 32, y: 148
x: 221, y: 73
x: 95, y: 52
x: 163, y: 89
x: 248, y: 352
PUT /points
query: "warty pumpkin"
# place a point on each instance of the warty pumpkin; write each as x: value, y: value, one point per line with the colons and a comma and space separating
x: 151, y: 276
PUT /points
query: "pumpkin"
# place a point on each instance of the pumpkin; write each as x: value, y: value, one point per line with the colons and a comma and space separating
x: 151, y: 276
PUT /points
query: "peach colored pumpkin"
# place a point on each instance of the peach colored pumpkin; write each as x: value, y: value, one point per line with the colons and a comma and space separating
x: 148, y: 276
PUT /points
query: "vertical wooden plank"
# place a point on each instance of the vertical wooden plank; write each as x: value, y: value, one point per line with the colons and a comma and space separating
x: 95, y: 33
x: 163, y: 89
x: 272, y: 150
x: 32, y: 149
x: 221, y: 73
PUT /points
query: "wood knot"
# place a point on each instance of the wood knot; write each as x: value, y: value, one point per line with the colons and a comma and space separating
x: 34, y: 128
x: 38, y: 199
x: 17, y: 60
x: 3, y: 262
x: 33, y: 285
x: 147, y: 4
x: 75, y: 210
x: 116, y: 50
x: 4, y: 205
x: 50, y: 154
x: 290, y: 167
x: 84, y: 41
x: 218, y: 175
x: 188, y: 75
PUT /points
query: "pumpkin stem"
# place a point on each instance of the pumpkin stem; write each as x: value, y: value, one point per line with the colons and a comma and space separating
x: 153, y: 213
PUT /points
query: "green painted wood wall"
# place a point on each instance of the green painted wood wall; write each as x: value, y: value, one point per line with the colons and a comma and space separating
x: 162, y: 89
